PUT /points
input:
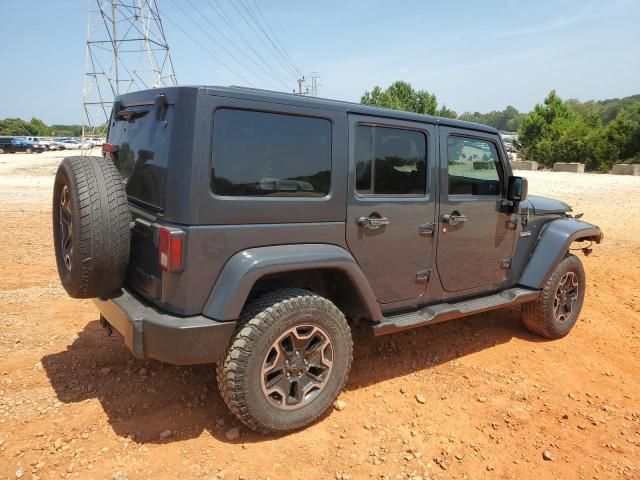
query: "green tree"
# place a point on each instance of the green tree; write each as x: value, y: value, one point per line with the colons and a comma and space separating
x: 508, y: 120
x: 624, y: 133
x: 15, y: 126
x: 446, y: 112
x: 557, y: 131
x: 38, y: 127
x: 401, y: 96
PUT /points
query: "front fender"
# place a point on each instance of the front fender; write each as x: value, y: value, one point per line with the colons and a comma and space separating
x: 555, y: 240
x: 245, y: 268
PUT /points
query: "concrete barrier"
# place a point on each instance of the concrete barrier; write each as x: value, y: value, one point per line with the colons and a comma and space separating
x: 483, y: 165
x: 626, y: 169
x: 524, y: 165
x: 572, y: 167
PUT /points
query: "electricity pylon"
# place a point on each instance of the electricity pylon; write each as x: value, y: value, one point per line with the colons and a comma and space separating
x: 126, y: 51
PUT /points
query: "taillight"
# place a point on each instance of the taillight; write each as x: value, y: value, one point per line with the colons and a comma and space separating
x: 170, y: 249
x: 109, y: 148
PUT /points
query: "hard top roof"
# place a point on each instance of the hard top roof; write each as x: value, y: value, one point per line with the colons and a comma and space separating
x: 310, y: 102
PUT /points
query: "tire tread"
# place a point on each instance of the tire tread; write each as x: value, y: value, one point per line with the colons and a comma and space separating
x: 255, y: 320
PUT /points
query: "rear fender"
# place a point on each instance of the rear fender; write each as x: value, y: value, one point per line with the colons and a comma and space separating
x: 555, y: 239
x: 245, y: 268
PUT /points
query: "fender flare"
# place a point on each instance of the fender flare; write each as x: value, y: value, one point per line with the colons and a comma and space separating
x: 245, y: 268
x: 554, y: 241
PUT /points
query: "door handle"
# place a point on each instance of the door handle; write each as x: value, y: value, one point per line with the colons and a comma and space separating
x: 454, y: 219
x: 373, y: 223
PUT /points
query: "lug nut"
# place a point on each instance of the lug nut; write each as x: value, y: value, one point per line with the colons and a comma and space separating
x: 288, y: 374
x: 297, y: 353
x: 299, y: 374
x: 286, y: 362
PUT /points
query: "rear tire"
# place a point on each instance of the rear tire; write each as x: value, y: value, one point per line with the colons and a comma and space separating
x: 287, y: 362
x: 557, y: 309
x: 90, y: 227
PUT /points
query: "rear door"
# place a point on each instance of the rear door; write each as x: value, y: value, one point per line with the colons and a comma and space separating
x: 391, y: 207
x: 475, y: 237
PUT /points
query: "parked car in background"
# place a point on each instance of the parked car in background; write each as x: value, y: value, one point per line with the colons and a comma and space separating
x: 15, y: 144
x: 509, y: 147
x: 38, y: 142
x: 70, y: 144
x: 47, y: 142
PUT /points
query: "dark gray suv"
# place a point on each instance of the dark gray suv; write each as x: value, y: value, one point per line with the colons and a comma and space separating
x: 248, y: 228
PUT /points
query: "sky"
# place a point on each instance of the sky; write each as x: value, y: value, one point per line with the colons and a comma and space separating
x: 474, y: 56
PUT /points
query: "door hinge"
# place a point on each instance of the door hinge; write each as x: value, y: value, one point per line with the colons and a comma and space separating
x: 423, y: 275
x: 426, y: 229
x: 506, y: 264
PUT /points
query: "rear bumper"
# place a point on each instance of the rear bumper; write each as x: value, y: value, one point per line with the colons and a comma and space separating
x: 149, y: 333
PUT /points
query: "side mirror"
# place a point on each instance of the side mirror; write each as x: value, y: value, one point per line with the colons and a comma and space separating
x: 517, y: 189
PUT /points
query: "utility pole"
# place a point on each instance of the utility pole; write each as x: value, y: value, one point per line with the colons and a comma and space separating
x: 315, y: 85
x: 300, y: 83
x: 127, y: 50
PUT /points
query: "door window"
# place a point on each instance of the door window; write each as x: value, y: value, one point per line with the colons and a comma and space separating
x: 390, y: 161
x: 474, y: 167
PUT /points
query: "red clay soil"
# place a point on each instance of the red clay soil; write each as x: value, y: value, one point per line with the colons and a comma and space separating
x: 496, y: 401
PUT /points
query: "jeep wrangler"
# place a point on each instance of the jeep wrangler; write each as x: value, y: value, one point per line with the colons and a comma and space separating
x: 248, y: 228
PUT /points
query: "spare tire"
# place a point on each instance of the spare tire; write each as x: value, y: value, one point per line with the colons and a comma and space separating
x: 90, y: 227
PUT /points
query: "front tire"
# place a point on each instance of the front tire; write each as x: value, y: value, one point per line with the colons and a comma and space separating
x: 557, y: 309
x: 287, y: 362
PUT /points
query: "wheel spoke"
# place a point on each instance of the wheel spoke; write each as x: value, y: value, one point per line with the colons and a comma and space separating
x: 66, y: 226
x: 65, y: 216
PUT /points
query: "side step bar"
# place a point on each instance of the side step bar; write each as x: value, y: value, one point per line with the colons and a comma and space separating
x: 449, y: 311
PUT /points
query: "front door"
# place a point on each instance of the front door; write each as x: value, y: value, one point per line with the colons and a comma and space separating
x: 391, y: 206
x: 475, y: 238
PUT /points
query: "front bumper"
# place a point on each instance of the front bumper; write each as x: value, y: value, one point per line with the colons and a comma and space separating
x: 150, y: 333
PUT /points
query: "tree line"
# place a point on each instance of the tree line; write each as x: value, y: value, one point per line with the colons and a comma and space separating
x: 597, y: 133
x: 37, y: 128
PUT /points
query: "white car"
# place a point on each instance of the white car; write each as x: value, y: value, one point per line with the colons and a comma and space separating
x: 70, y: 144
x: 41, y: 143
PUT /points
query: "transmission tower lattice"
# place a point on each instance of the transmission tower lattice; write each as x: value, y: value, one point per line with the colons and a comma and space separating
x: 126, y: 51
x: 315, y: 84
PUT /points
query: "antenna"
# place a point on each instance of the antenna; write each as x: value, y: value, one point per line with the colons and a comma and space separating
x: 126, y: 51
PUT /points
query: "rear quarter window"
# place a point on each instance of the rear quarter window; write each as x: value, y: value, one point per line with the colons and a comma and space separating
x: 270, y: 154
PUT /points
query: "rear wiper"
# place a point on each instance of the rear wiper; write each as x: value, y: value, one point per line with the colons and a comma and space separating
x: 130, y: 115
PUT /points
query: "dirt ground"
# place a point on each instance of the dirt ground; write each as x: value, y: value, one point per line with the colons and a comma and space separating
x: 75, y: 404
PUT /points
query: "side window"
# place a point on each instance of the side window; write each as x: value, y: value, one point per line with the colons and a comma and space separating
x: 474, y: 167
x: 270, y: 154
x: 390, y: 161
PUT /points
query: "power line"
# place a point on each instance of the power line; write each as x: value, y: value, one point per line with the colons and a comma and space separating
x: 275, y: 36
x: 274, y: 76
x: 205, y: 49
x: 243, y: 16
x: 281, y: 58
x: 222, y: 47
x: 224, y: 16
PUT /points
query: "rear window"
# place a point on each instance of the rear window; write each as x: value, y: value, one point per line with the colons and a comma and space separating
x: 143, y: 152
x: 270, y: 154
